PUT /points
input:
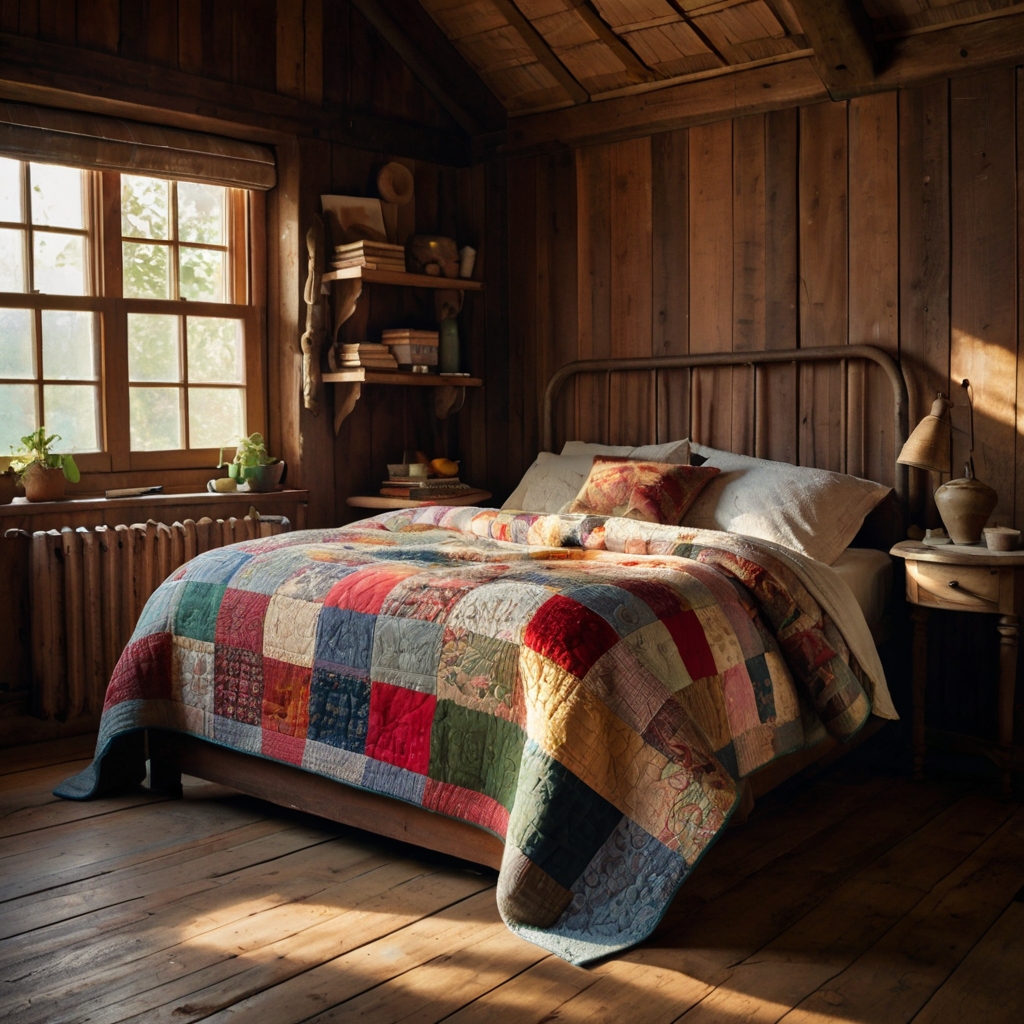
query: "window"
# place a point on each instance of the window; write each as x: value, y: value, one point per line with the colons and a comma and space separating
x: 125, y: 317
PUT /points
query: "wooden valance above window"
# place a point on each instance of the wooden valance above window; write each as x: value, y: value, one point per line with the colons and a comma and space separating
x: 110, y: 144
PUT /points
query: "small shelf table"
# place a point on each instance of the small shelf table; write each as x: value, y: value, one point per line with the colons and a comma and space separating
x: 379, y: 501
x: 965, y: 578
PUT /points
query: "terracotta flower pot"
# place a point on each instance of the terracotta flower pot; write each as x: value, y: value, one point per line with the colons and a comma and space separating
x: 43, y: 484
x: 8, y: 485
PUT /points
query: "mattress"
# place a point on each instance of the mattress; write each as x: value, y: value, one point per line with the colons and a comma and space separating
x: 868, y: 573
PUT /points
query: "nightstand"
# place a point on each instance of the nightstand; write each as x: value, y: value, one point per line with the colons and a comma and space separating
x: 379, y: 501
x: 955, y: 577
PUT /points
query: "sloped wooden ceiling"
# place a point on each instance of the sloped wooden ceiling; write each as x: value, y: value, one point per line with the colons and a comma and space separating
x: 542, y: 55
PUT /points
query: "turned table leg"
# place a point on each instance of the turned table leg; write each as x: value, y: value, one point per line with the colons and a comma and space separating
x: 1009, y: 630
x: 919, y: 654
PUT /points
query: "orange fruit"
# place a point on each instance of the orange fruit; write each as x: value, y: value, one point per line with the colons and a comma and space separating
x: 444, y: 467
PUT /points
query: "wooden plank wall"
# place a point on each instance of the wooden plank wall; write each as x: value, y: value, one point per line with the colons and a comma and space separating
x: 893, y: 220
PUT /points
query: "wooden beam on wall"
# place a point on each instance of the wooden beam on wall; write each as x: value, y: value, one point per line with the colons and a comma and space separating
x: 434, y: 60
x: 709, y: 99
x: 540, y: 49
x: 840, y: 34
x: 636, y: 69
x: 65, y: 76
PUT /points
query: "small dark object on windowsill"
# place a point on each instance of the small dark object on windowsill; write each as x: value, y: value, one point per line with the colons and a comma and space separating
x: 133, y: 492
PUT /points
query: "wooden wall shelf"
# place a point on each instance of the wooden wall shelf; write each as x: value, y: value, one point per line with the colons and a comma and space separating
x: 449, y: 397
x: 406, y: 280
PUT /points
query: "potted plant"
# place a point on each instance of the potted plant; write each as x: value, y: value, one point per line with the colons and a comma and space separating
x: 253, y: 464
x: 43, y: 471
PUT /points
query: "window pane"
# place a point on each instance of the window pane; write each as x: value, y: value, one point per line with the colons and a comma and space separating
x: 17, y: 353
x: 145, y: 271
x: 202, y: 275
x: 12, y: 260
x: 215, y: 350
x: 144, y: 207
x: 56, y: 196
x: 10, y: 190
x: 155, y: 415
x: 69, y: 345
x: 59, y: 263
x: 216, y: 416
x: 72, y: 411
x: 17, y: 414
x: 153, y: 348
x: 201, y: 212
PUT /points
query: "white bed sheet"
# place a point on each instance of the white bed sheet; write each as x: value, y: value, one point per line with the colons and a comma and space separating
x: 868, y: 573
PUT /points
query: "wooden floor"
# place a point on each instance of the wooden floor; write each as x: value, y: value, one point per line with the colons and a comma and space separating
x: 858, y: 897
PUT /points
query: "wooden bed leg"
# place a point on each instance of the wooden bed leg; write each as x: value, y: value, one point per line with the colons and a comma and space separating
x: 164, y: 774
x: 745, y: 806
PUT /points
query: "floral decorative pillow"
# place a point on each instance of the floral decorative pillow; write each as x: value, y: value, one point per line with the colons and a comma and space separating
x: 654, y: 492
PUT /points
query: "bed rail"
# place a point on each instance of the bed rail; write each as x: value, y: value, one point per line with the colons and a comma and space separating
x: 838, y: 354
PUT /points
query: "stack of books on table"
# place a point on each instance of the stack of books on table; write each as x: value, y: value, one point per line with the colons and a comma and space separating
x: 419, y: 489
x: 372, y: 255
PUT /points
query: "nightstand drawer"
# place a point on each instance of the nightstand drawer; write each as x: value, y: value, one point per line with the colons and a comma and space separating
x: 968, y: 588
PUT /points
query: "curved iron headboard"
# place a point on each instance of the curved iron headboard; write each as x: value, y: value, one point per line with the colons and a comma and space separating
x: 831, y: 354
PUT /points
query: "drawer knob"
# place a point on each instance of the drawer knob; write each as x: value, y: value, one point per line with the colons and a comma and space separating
x: 955, y: 584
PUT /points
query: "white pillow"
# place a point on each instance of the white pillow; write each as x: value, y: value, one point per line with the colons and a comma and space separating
x: 812, y: 511
x: 676, y: 452
x: 550, y: 483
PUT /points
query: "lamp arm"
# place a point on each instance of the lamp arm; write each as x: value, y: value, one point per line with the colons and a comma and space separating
x: 968, y: 390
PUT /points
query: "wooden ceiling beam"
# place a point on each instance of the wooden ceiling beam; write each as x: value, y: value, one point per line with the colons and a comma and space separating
x: 751, y: 91
x: 540, y: 49
x: 432, y: 57
x: 636, y: 69
x: 55, y: 75
x: 839, y: 32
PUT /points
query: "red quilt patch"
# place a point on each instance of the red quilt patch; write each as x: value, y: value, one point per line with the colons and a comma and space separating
x: 399, y: 727
x: 143, y: 671
x: 688, y: 634
x: 569, y: 634
x: 365, y: 590
x: 240, y: 619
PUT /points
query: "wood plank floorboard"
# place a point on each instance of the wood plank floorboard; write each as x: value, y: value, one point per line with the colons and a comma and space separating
x: 854, y: 896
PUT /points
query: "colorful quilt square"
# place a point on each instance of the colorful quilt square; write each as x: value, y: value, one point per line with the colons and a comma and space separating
x: 283, y: 747
x: 569, y: 634
x: 289, y: 630
x: 393, y: 780
x: 431, y: 596
x: 406, y: 653
x: 761, y: 682
x: 399, y: 726
x: 467, y: 804
x: 366, y: 589
x: 143, y: 672
x: 344, y: 639
x: 196, y: 616
x: 269, y: 568
x: 339, y: 709
x: 502, y: 609
x: 688, y: 633
x: 285, y: 697
x: 558, y: 821
x: 472, y: 749
x: 623, y: 611
x: 240, y: 619
x: 192, y: 678
x: 239, y: 691
x: 314, y: 582
x: 479, y: 672
x: 158, y: 614
x: 217, y: 566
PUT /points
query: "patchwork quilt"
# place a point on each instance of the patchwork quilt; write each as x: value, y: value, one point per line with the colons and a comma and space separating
x: 590, y: 689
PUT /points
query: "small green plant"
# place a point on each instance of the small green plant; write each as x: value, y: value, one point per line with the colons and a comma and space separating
x: 36, y: 450
x: 251, y: 452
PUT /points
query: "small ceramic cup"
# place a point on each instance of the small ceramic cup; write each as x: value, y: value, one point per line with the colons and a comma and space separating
x: 1002, y: 538
x: 418, y: 469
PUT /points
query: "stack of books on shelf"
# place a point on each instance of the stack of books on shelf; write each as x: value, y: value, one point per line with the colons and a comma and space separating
x: 412, y: 347
x: 374, y: 357
x: 372, y: 255
x: 420, y: 489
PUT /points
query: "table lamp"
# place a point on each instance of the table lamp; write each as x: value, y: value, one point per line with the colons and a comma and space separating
x: 964, y: 503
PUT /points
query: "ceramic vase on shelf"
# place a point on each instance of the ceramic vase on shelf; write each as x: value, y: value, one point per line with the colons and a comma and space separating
x: 448, y: 344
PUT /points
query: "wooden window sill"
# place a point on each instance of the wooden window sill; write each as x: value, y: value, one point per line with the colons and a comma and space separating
x: 21, y: 507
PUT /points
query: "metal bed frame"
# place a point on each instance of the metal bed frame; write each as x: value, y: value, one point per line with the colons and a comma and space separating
x: 838, y: 354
